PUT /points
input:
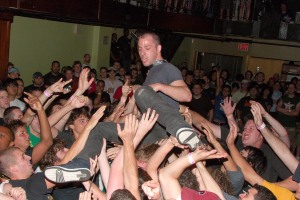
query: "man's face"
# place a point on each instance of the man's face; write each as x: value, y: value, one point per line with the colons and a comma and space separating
x: 17, y: 114
x: 20, y: 87
x: 134, y: 73
x: 251, y: 136
x: 22, y: 139
x: 69, y: 74
x: 117, y: 65
x: 60, y: 154
x: 13, y: 75
x: 5, y: 138
x: 112, y: 74
x: 55, y: 68
x: 260, y: 77
x: 4, y: 100
x: 12, y: 89
x: 103, y: 73
x: 77, y: 68
x: 36, y: 93
x: 148, y: 50
x: 100, y: 87
x: 249, y: 195
x: 291, y: 89
x: 197, y: 90
x: 23, y: 163
x: 122, y: 71
x: 253, y: 92
x: 38, y: 81
x: 225, y: 92
x: 79, y: 124
x: 87, y: 58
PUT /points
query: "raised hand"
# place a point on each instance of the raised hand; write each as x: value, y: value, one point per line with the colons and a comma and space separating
x: 113, y: 152
x: 126, y: 89
x: 202, y: 154
x: 84, y: 83
x: 129, y: 130
x: 261, y: 108
x: 78, y: 101
x: 209, y: 134
x: 187, y: 116
x: 227, y: 106
x: 96, y: 117
x: 232, y: 134
x: 33, y: 102
x: 58, y: 86
x: 152, y: 189
x: 255, y: 110
x: 147, y: 121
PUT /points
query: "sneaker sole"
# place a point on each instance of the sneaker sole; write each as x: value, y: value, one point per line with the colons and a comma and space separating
x: 59, y: 174
x: 188, y: 137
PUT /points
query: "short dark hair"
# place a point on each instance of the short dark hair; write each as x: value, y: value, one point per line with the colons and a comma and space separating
x: 15, y: 124
x: 263, y: 193
x: 152, y: 34
x: 55, y: 61
x: 50, y: 157
x: 76, y: 113
x: 76, y: 62
x: 10, y: 81
x: 8, y: 114
x: 122, y: 194
x: 188, y: 179
x: 256, y: 158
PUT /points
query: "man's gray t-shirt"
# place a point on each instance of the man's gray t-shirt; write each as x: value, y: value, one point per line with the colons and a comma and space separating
x: 165, y: 73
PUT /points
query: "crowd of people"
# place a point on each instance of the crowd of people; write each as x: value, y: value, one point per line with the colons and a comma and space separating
x: 171, y: 133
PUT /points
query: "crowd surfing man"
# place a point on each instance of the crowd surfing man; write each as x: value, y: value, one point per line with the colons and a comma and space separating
x: 162, y: 90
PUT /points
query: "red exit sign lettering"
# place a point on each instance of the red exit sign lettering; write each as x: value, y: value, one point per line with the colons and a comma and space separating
x: 243, y: 46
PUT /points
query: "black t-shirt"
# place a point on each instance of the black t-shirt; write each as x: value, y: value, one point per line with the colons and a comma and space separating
x: 35, y: 187
x: 68, y: 137
x: 67, y: 191
x: 50, y: 78
x: 202, y: 105
x: 125, y: 47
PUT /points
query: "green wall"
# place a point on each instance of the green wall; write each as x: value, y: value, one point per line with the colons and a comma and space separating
x: 35, y: 43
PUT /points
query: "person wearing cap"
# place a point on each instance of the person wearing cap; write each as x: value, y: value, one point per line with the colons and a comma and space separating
x: 112, y: 83
x: 13, y: 73
x: 37, y: 82
x: 242, y: 92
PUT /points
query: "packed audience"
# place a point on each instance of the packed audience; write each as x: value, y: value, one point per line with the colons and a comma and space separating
x: 172, y: 133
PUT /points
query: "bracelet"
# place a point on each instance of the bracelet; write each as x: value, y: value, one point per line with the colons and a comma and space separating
x: 261, y: 127
x: 230, y: 115
x: 191, y: 160
x: 47, y: 94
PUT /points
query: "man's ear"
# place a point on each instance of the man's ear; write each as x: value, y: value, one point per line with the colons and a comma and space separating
x: 71, y: 127
x: 159, y: 48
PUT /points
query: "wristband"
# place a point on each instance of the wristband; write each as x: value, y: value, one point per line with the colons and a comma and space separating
x: 191, y: 160
x: 261, y: 127
x: 47, y: 94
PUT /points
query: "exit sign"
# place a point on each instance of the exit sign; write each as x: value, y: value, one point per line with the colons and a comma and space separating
x: 243, y: 46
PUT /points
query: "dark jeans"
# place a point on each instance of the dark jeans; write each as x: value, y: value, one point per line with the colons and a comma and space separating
x: 145, y: 98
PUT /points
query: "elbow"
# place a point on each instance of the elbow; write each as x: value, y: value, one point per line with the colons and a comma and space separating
x: 188, y: 96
